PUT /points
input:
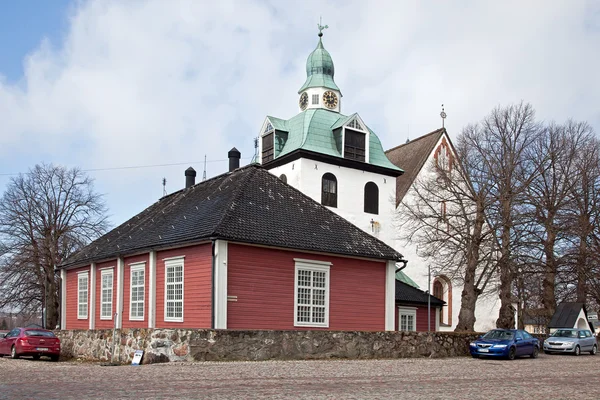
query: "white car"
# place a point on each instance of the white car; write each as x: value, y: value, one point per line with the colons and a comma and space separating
x: 571, y: 341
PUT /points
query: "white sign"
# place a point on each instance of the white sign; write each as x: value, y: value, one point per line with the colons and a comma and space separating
x: 592, y: 316
x: 137, y: 357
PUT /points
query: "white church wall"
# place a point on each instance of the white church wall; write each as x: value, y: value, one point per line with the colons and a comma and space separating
x: 306, y: 175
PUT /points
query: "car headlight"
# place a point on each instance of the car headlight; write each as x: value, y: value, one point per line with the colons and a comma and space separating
x: 499, y: 346
x: 473, y: 344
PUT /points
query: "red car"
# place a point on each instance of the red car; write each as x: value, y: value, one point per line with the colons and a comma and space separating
x: 32, y: 342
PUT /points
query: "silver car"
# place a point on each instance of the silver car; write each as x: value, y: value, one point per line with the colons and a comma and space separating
x: 571, y: 341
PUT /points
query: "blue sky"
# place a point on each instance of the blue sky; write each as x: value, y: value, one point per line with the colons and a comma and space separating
x: 101, y: 84
x: 23, y: 25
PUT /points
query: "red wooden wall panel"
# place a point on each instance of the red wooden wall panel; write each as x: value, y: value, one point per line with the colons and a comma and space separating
x: 72, y: 307
x: 197, y: 287
x: 127, y: 323
x: 105, y: 323
x: 263, y: 281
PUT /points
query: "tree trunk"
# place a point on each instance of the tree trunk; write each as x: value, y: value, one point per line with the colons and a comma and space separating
x: 581, y: 270
x: 549, y: 279
x: 506, y: 317
x: 470, y: 293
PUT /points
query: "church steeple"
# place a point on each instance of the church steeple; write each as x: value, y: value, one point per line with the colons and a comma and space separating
x: 319, y: 89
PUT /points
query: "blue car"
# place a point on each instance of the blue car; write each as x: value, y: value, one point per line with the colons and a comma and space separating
x: 505, y: 343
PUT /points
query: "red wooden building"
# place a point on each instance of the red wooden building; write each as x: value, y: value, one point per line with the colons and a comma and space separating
x: 243, y: 250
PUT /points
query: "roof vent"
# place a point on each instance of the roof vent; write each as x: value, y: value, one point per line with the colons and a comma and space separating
x: 234, y: 159
x: 190, y: 177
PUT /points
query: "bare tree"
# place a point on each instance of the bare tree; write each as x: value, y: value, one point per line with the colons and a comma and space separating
x: 445, y: 217
x: 501, y: 140
x: 45, y: 215
x: 554, y: 157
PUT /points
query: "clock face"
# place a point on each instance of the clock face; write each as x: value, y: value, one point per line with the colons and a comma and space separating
x: 330, y: 99
x: 303, y: 101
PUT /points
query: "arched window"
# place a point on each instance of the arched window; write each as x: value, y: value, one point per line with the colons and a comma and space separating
x: 283, y: 178
x: 329, y: 190
x: 371, y: 198
x: 442, y: 289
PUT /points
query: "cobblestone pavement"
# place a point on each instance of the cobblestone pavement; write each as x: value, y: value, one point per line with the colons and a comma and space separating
x: 549, y: 376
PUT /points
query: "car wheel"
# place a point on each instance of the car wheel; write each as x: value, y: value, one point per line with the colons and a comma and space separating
x: 13, y: 353
x: 474, y: 356
x: 535, y: 353
x: 594, y: 350
x: 36, y: 357
x: 512, y: 353
x: 54, y: 358
x: 577, y: 350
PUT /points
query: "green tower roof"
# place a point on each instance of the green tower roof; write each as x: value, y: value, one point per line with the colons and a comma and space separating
x: 313, y: 130
x: 319, y: 70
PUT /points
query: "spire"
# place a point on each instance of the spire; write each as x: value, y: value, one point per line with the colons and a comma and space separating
x: 319, y: 67
x: 443, y: 115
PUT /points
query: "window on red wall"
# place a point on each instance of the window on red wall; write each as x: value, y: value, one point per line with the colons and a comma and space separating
x: 106, y: 295
x: 174, y: 290
x: 311, y: 293
x: 82, y: 295
x: 136, y: 303
x: 407, y: 319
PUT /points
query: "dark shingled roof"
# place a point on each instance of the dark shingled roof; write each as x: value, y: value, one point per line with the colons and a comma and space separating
x: 248, y: 205
x: 410, y: 294
x: 411, y: 157
x: 566, y: 315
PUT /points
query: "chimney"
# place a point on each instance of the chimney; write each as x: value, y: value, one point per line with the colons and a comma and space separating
x: 234, y: 159
x: 190, y: 177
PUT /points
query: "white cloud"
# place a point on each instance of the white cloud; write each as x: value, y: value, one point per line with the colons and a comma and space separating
x: 157, y: 82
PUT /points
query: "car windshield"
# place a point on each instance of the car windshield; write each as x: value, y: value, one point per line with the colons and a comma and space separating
x: 39, y: 333
x: 565, y: 333
x: 496, y: 334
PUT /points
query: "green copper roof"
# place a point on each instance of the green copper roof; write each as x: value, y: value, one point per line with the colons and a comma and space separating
x: 319, y: 70
x: 312, y: 130
x: 402, y: 277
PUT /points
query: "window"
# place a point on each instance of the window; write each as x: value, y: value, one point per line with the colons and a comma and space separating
x: 106, y: 294
x: 82, y: 295
x: 267, y: 147
x: 329, y: 190
x: 354, y: 145
x: 407, y: 319
x: 443, y: 156
x: 311, y: 293
x: 283, y: 178
x: 442, y: 289
x: 315, y: 99
x: 371, y: 198
x: 136, y: 303
x: 355, y: 124
x: 174, y: 290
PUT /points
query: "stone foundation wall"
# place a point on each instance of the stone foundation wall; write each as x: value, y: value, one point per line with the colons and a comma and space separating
x: 164, y: 345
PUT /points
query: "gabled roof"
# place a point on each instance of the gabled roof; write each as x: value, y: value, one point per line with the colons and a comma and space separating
x: 411, y: 157
x: 566, y: 315
x: 411, y: 295
x: 248, y: 205
x: 312, y: 130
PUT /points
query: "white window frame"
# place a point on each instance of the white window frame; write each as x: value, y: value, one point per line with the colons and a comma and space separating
x: 103, y: 273
x: 315, y: 99
x: 137, y: 267
x: 313, y: 266
x: 81, y: 301
x: 409, y: 312
x: 171, y: 263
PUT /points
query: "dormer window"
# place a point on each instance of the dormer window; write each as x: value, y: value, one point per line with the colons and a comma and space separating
x: 355, y: 125
x: 354, y: 145
x: 268, y: 141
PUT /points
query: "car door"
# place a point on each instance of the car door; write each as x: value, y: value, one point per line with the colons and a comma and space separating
x: 582, y: 340
x: 590, y: 340
x: 530, y: 340
x: 521, y: 344
x: 8, y: 341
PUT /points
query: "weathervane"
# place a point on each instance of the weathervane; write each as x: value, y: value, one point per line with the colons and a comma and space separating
x: 321, y: 27
x: 443, y: 115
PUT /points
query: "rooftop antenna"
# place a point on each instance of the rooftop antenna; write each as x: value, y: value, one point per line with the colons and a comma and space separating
x: 204, y: 173
x: 408, y: 134
x: 443, y: 115
x: 164, y: 183
x: 321, y: 27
